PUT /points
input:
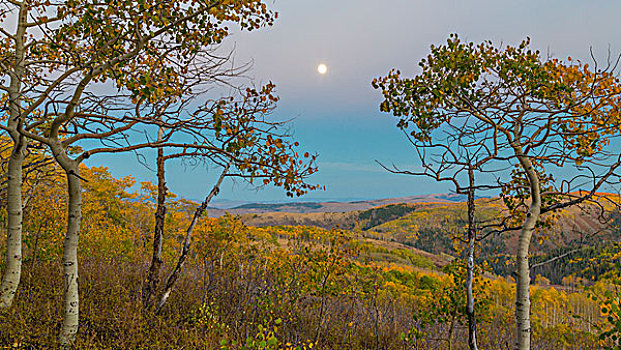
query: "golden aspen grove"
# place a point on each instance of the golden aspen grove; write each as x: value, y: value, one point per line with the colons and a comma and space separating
x: 521, y: 251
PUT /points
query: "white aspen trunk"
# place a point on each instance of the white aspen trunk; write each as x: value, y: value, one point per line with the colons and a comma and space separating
x: 13, y: 270
x: 522, y: 300
x: 74, y: 220
x: 70, y: 257
x: 472, y: 234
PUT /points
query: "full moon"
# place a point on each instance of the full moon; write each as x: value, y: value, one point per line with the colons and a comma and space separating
x: 322, y: 69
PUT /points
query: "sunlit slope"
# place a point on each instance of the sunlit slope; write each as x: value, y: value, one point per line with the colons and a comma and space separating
x: 436, y: 228
x: 357, y: 219
x: 433, y: 226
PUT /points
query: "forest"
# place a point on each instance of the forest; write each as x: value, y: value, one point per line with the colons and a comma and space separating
x: 528, y: 258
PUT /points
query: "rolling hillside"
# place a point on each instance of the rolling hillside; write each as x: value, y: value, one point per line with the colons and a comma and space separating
x: 433, y: 227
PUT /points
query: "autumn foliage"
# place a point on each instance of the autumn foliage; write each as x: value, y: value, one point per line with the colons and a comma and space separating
x: 276, y: 287
x: 281, y: 287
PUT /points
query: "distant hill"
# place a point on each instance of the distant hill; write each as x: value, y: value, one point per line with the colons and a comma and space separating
x: 428, y: 223
x: 333, y: 206
x: 350, y: 220
x: 578, y: 232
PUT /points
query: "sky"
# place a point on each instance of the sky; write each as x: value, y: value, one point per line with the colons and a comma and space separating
x: 336, y: 115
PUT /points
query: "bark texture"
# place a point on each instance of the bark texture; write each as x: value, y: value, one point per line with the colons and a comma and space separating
x: 13, y: 270
x: 522, y: 301
x: 70, y: 255
x: 153, y: 275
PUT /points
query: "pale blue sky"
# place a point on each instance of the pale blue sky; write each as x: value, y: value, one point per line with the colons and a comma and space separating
x: 337, y: 116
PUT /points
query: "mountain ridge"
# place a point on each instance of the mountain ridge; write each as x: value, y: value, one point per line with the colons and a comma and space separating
x: 335, y: 206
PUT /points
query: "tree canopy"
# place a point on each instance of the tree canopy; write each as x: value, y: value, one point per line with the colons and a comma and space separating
x: 540, y: 114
